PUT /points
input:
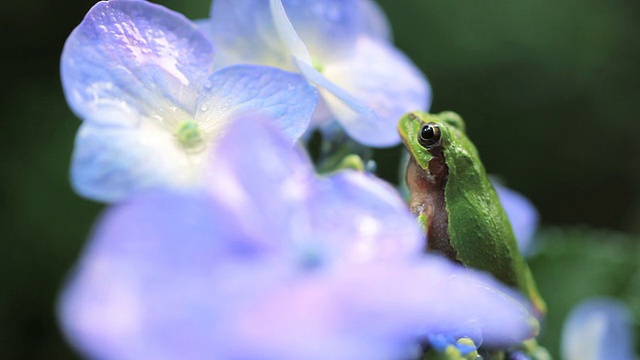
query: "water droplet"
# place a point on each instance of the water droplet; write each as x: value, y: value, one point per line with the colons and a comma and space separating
x: 203, y: 107
x: 226, y: 104
x: 208, y: 84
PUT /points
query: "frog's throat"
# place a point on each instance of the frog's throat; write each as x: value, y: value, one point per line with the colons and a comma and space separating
x: 428, y: 199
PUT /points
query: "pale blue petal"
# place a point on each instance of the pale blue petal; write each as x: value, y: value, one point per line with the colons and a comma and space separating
x: 380, y: 227
x: 437, y: 296
x: 387, y: 81
x: 244, y: 32
x: 598, y: 328
x: 375, y: 22
x: 204, y: 25
x: 522, y: 214
x: 328, y: 28
x: 136, y: 57
x: 263, y: 177
x: 284, y: 99
x: 111, y: 162
x: 345, y: 108
x: 162, y: 278
x: 295, y: 45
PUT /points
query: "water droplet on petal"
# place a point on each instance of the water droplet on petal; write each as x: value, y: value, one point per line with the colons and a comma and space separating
x: 226, y: 104
x: 208, y: 84
x: 203, y: 107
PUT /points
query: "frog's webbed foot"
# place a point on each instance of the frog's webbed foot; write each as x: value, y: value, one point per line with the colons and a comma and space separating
x: 443, y: 348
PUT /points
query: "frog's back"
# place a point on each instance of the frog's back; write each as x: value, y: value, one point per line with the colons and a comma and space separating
x: 478, y: 225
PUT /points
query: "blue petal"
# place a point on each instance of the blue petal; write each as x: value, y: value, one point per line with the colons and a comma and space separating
x: 380, y: 226
x: 245, y: 30
x: 245, y: 33
x: 294, y: 44
x: 329, y: 28
x: 522, y: 215
x: 387, y: 81
x: 159, y: 280
x: 375, y: 22
x: 434, y: 296
x: 136, y: 57
x: 261, y: 174
x: 285, y: 99
x: 598, y: 328
x: 111, y: 162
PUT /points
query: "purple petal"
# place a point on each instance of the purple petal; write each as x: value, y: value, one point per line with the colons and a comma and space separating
x: 380, y: 226
x: 598, y: 328
x: 285, y: 99
x: 435, y: 296
x: 378, y: 311
x: 387, y: 81
x: 109, y: 163
x: 262, y: 176
x: 164, y: 277
x: 134, y: 56
x: 522, y: 215
x: 159, y: 280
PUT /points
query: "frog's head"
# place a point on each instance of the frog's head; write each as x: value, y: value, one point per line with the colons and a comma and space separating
x: 426, y: 135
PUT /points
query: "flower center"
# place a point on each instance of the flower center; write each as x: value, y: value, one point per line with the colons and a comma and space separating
x: 317, y: 64
x: 189, y: 136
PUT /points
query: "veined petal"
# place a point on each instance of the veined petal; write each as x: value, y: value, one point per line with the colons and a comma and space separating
x: 137, y: 57
x: 244, y: 32
x: 110, y: 162
x: 328, y: 28
x: 387, y: 81
x: 284, y: 99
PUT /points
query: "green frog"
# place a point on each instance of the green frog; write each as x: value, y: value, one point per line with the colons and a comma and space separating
x: 456, y: 203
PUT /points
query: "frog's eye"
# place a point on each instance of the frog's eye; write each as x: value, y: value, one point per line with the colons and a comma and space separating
x: 429, y: 135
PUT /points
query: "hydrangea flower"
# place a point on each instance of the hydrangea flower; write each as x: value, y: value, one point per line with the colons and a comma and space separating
x: 598, y: 328
x: 274, y: 262
x: 342, y: 46
x: 141, y: 78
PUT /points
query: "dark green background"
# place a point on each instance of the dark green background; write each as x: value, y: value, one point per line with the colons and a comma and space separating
x: 549, y: 90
